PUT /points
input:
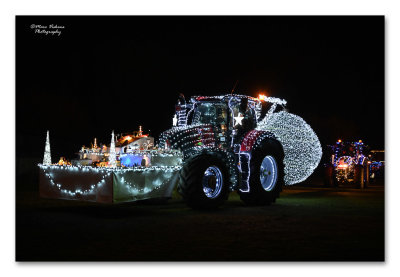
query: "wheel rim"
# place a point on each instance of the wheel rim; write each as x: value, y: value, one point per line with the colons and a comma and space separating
x: 212, y: 182
x: 268, y: 173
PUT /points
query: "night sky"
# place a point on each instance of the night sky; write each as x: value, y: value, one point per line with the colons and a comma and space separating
x: 116, y: 73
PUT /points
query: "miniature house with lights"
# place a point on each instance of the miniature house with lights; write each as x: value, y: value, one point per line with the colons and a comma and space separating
x: 129, y: 142
x: 127, y: 146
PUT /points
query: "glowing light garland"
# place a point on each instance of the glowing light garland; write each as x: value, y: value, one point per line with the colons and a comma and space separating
x: 136, y: 190
x: 301, y: 146
x: 92, y: 189
x: 47, y: 154
x: 108, y: 169
x: 154, y: 153
x: 166, y: 170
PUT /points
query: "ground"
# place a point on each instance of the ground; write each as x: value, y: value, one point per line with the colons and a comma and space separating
x: 307, y: 223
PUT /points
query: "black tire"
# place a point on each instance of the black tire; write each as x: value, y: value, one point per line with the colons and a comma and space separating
x: 191, y: 177
x: 367, y: 175
x: 361, y: 176
x: 358, y: 172
x: 257, y: 196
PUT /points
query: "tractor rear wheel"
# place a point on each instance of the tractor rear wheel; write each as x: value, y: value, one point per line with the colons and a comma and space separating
x: 367, y: 175
x: 266, y: 175
x: 204, y: 181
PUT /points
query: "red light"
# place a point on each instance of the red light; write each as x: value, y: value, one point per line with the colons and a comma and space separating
x: 261, y: 97
x: 339, y: 140
x: 342, y: 166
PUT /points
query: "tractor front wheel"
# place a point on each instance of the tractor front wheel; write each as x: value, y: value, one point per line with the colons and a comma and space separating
x: 204, y: 181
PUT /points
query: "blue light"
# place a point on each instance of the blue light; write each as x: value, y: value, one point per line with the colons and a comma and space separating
x: 130, y: 160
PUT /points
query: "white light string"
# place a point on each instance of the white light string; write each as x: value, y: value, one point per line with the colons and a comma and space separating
x: 106, y: 171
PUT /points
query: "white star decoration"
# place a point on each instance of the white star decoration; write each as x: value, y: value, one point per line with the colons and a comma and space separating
x: 238, y: 119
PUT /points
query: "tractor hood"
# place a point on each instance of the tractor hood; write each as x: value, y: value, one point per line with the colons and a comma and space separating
x: 188, y: 139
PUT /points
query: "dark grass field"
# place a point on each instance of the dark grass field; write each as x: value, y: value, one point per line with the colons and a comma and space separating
x: 308, y: 223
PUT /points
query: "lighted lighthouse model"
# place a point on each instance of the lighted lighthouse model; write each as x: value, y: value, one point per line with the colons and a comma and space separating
x: 112, y: 160
x: 47, y: 154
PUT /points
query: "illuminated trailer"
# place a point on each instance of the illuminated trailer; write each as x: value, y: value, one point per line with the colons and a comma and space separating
x: 112, y: 185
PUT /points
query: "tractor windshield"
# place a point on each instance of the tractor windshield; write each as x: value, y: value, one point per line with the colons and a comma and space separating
x: 211, y: 113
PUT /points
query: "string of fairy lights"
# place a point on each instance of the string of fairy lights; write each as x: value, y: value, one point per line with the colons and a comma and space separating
x: 110, y: 169
x: 49, y: 171
x: 92, y: 188
x: 137, y: 190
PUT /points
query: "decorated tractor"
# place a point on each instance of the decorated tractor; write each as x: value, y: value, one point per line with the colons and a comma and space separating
x: 348, y: 162
x: 218, y: 144
x: 239, y: 143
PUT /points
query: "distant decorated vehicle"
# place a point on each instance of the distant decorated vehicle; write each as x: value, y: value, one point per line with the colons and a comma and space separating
x: 217, y: 144
x: 347, y: 162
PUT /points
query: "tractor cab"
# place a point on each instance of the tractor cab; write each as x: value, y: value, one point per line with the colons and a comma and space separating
x: 229, y: 116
